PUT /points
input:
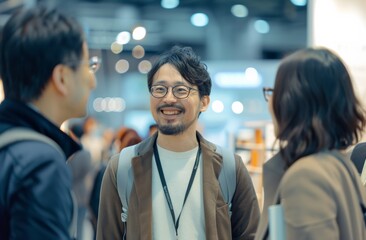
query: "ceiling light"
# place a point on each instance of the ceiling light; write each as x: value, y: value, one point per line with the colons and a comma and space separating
x: 237, y: 107
x: 144, y: 66
x: 122, y: 66
x: 138, y: 52
x: 123, y: 37
x: 139, y: 33
x: 299, y: 3
x: 261, y: 26
x: 169, y: 4
x: 199, y: 19
x: 239, y: 10
x: 116, y: 47
x: 250, y: 78
x: 217, y: 106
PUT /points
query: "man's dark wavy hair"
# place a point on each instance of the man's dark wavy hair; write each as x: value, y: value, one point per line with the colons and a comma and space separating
x: 188, y: 64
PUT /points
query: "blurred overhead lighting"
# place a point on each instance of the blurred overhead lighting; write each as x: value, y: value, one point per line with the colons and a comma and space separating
x: 116, y: 47
x: 199, y: 19
x: 138, y: 52
x: 109, y: 104
x: 144, y: 66
x: 237, y: 107
x: 239, y: 10
x: 139, y: 33
x: 299, y: 3
x: 169, y: 4
x: 217, y: 106
x: 248, y: 79
x: 261, y: 26
x: 123, y: 37
x: 122, y: 66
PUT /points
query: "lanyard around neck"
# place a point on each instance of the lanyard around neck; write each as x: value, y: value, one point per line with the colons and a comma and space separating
x: 165, y: 187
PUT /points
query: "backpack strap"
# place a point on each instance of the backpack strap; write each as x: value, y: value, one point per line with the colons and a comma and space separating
x: 125, y: 178
x: 227, y: 177
x: 22, y: 134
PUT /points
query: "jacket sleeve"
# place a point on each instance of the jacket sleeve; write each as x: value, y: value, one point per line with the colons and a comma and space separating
x: 41, y: 204
x: 109, y: 224
x: 245, y: 207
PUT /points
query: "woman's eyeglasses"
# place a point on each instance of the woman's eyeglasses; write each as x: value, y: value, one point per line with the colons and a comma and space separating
x: 267, y: 93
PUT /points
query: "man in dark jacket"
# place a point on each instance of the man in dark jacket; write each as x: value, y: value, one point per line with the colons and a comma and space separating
x: 47, y: 78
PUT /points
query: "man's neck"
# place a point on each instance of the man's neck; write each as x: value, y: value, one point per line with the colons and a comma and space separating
x: 178, y: 143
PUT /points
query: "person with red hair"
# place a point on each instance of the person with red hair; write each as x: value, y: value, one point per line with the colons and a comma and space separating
x: 126, y: 137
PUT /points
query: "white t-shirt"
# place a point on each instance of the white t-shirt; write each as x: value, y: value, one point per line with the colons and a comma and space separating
x: 177, y: 168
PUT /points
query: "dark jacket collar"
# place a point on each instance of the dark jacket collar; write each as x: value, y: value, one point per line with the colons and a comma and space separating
x: 19, y: 114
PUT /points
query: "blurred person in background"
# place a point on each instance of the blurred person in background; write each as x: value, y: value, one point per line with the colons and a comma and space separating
x: 179, y: 86
x: 123, y: 138
x: 92, y: 139
x: 47, y: 78
x: 126, y: 137
x: 81, y: 167
x: 317, y: 117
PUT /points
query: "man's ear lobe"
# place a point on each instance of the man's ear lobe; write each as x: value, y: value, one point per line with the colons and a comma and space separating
x: 205, y: 101
x: 58, y: 79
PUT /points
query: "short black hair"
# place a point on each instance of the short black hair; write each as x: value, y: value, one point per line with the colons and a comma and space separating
x: 188, y: 64
x: 32, y: 43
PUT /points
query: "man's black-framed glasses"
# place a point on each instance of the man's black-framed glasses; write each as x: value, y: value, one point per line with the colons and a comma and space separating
x: 267, y: 93
x: 179, y: 91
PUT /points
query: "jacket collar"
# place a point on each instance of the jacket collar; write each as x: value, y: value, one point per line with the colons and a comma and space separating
x: 19, y: 114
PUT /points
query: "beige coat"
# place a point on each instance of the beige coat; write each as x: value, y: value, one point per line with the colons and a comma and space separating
x: 321, y: 199
x: 245, y: 209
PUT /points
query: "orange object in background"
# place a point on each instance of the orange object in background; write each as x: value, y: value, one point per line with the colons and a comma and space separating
x: 257, y: 153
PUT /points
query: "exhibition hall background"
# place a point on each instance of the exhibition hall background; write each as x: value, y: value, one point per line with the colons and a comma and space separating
x: 240, y: 41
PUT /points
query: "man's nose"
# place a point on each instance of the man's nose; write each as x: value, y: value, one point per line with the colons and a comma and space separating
x: 170, y: 96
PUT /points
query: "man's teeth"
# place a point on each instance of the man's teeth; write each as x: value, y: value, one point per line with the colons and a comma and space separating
x: 170, y: 112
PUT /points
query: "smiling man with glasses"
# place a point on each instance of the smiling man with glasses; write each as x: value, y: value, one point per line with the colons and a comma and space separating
x: 176, y: 192
x: 47, y: 78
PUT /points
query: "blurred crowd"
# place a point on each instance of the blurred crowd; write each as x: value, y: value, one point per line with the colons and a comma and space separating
x: 88, y: 165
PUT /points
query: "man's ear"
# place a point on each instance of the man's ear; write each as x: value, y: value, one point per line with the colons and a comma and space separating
x: 205, y: 101
x: 58, y: 79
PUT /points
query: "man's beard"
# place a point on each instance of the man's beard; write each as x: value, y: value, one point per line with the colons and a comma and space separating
x: 172, y: 130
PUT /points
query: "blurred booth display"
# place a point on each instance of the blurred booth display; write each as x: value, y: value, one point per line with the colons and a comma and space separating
x: 254, y: 142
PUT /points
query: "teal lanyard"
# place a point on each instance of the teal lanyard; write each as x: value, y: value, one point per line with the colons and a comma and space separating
x: 165, y: 187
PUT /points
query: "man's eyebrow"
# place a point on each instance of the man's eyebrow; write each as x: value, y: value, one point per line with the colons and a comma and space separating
x: 178, y: 82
